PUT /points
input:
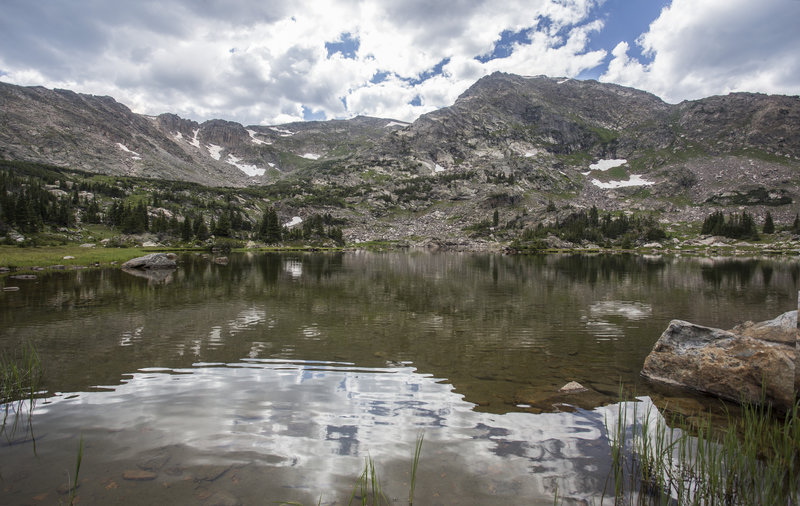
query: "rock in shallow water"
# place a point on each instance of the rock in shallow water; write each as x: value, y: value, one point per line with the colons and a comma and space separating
x: 573, y: 387
x: 732, y: 365
x: 139, y: 475
x: 152, y: 261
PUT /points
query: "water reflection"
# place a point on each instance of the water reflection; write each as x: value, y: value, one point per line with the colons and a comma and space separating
x: 506, y: 331
x: 273, y: 375
x: 318, y: 420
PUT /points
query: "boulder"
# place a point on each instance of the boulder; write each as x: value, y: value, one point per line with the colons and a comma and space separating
x: 735, y: 365
x: 152, y: 261
x: 782, y: 329
x: 573, y: 387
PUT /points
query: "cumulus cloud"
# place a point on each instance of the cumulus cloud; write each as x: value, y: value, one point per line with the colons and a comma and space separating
x: 266, y: 62
x: 697, y: 48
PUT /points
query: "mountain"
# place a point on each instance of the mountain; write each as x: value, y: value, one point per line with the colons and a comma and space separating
x: 98, y: 134
x: 532, y: 148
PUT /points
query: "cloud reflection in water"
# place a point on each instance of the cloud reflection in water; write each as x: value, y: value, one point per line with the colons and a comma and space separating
x: 311, y: 415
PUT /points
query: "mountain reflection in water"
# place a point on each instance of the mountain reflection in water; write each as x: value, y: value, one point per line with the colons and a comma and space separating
x: 272, y: 377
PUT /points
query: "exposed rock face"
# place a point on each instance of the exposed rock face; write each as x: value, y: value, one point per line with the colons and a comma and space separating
x: 509, y: 143
x: 782, y: 329
x: 224, y: 133
x: 729, y: 364
x: 152, y: 261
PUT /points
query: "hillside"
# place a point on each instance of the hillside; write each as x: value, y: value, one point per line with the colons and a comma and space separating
x: 529, y: 150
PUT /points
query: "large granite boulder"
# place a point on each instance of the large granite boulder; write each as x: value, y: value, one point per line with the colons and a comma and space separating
x: 152, y: 261
x: 735, y: 365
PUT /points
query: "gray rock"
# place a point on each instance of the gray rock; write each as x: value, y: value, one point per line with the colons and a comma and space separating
x: 724, y: 363
x: 573, y: 387
x: 782, y: 329
x: 152, y: 261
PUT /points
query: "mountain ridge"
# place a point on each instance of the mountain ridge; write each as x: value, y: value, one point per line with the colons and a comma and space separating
x: 512, y: 143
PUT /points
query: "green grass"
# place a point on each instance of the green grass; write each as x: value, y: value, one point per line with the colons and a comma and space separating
x: 25, y: 258
x: 74, y: 484
x: 20, y: 379
x: 755, y: 460
x: 368, y: 490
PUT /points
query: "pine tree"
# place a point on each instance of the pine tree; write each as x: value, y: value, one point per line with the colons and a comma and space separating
x: 200, y: 228
x: 186, y: 229
x: 769, y: 226
x: 92, y: 213
x: 223, y: 226
x: 269, y: 230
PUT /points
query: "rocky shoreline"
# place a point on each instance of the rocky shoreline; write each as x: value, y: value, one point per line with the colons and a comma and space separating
x: 753, y: 362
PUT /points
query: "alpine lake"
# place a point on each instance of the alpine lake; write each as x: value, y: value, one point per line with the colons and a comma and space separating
x: 274, y: 377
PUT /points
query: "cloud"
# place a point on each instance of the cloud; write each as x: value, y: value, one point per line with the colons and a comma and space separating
x: 699, y: 48
x: 269, y: 62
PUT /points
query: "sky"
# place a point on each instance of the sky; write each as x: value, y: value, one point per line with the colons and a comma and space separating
x: 274, y: 61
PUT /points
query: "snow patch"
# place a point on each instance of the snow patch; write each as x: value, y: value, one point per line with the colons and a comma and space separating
x: 271, y: 164
x: 215, y: 151
x: 438, y: 168
x: 529, y: 154
x: 310, y: 156
x: 395, y: 123
x: 634, y: 180
x: 296, y: 220
x: 282, y: 131
x: 250, y: 170
x: 178, y: 136
x: 254, y: 139
x: 135, y: 155
x: 195, y: 141
x: 604, y: 165
x: 123, y: 147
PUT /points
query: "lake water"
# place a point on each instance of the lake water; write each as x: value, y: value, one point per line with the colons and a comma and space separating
x: 273, y: 377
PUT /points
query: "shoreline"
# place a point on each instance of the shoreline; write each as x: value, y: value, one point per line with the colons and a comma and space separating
x: 14, y: 260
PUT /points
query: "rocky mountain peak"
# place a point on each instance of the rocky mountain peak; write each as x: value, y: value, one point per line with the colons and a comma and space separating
x: 224, y: 133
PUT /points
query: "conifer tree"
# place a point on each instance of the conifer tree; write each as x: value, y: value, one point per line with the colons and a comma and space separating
x: 200, y: 228
x: 269, y: 229
x: 769, y: 226
x: 186, y: 229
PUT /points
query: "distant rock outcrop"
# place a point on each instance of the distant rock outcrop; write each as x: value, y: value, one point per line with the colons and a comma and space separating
x: 751, y: 360
x: 153, y: 261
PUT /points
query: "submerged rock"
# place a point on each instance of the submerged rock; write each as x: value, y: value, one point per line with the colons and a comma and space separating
x: 573, y: 387
x: 733, y: 365
x: 152, y: 261
x: 139, y: 475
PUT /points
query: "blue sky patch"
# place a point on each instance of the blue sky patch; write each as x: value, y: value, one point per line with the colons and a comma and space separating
x: 379, y: 77
x: 436, y: 70
x: 417, y: 101
x: 505, y: 46
x: 347, y: 45
x: 625, y: 20
x: 309, y: 115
